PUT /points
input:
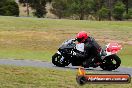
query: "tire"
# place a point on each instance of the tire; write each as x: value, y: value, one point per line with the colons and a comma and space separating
x: 56, y: 60
x: 108, y: 63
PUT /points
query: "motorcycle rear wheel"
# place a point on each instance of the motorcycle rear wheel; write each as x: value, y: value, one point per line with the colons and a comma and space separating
x: 56, y: 60
x: 111, y: 63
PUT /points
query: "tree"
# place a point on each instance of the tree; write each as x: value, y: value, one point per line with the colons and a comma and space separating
x: 103, y: 13
x: 59, y: 8
x: 9, y: 8
x: 128, y: 15
x: 118, y: 10
x: 2, y: 11
x: 126, y: 5
x: 37, y: 5
x: 81, y: 7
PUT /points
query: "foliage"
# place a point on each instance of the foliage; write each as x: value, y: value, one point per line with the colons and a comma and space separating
x: 118, y: 10
x: 40, y: 10
x: 9, y: 8
x: 81, y: 7
x: 130, y: 12
x: 59, y: 8
x: 103, y: 13
x: 129, y: 15
x: 37, y: 5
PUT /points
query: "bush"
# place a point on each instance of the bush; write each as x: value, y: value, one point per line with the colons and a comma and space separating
x: 2, y: 11
x: 129, y: 15
x: 40, y: 11
x: 9, y: 8
x: 103, y: 13
x: 60, y: 8
x: 118, y: 10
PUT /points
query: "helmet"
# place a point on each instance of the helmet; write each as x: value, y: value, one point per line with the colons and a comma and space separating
x: 82, y: 36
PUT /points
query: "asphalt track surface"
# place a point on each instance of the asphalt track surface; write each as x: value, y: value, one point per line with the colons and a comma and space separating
x: 40, y: 64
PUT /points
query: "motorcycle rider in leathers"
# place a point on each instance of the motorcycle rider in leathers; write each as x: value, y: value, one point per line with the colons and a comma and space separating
x: 91, y: 47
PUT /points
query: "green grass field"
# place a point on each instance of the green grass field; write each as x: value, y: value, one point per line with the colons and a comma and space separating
x: 28, y: 77
x: 38, y: 39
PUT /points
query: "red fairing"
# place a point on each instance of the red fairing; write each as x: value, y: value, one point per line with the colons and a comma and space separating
x: 113, y: 48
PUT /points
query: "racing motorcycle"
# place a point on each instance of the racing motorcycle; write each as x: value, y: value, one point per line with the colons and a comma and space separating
x: 109, y: 59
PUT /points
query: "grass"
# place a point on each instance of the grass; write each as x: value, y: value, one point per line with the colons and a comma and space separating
x: 38, y: 39
x: 25, y: 23
x: 28, y: 77
x: 25, y: 54
x: 126, y: 55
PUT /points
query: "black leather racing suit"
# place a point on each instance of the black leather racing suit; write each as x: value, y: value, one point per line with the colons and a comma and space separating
x: 91, y: 48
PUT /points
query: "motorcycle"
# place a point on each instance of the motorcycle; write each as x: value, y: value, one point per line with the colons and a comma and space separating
x: 109, y: 59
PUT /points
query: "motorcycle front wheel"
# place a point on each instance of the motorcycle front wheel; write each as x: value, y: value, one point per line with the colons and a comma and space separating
x: 111, y: 63
x: 59, y: 60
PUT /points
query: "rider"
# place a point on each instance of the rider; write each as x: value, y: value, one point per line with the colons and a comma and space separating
x: 91, y: 47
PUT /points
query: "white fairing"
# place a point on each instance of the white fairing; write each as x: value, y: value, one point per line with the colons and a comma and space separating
x: 108, y: 53
x: 80, y: 47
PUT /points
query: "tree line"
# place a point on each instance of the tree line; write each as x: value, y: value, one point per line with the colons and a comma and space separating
x: 93, y: 9
x: 72, y: 9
